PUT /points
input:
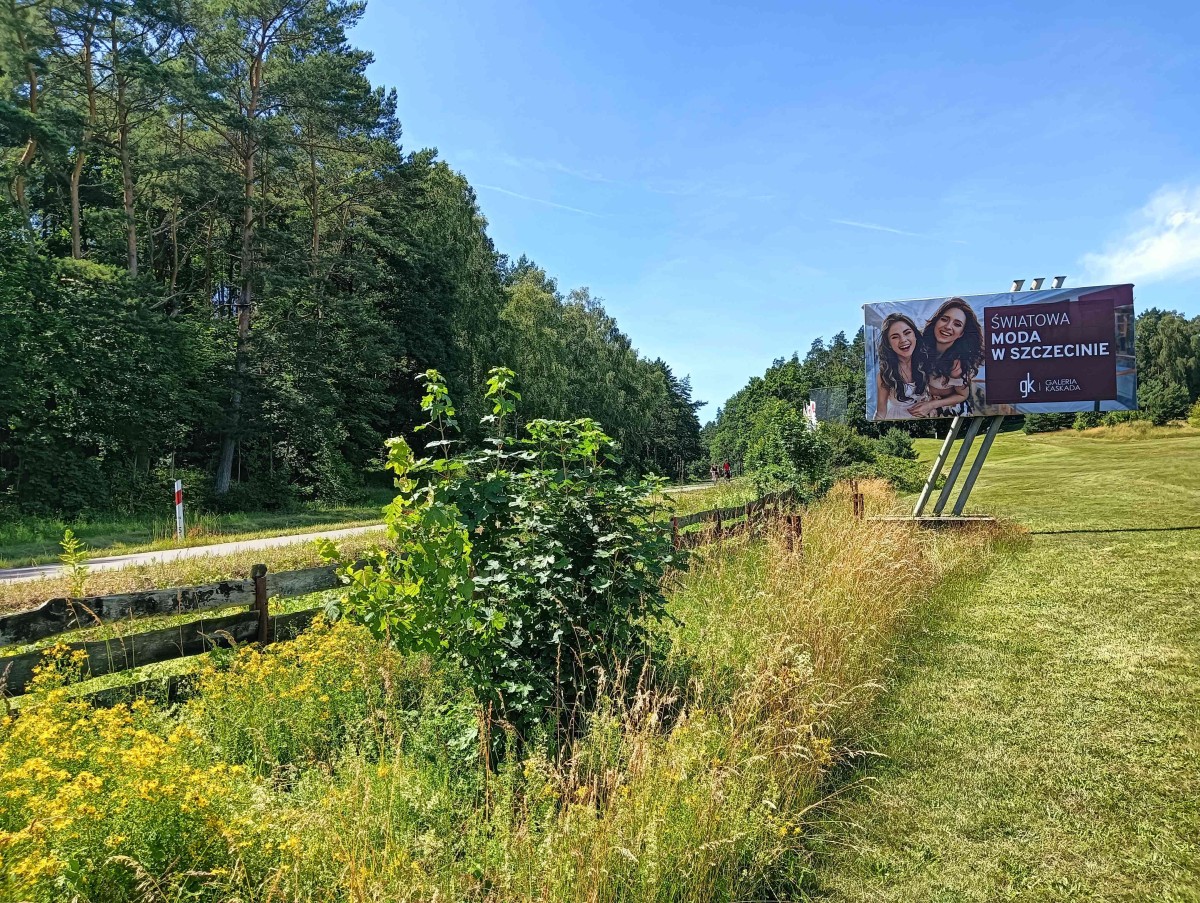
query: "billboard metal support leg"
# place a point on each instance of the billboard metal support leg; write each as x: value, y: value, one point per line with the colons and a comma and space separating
x: 959, y: 460
x: 938, y: 464
x: 977, y: 464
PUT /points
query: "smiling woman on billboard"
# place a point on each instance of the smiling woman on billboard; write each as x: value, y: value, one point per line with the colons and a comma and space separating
x: 953, y: 343
x: 902, y: 380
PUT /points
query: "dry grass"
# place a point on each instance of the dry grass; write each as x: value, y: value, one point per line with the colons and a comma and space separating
x: 1142, y: 429
x: 701, y: 784
x: 840, y: 601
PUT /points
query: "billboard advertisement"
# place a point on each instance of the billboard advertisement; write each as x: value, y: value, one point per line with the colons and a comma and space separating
x: 1037, y: 352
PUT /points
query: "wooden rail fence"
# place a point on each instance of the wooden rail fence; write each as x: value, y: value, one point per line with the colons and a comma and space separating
x: 120, y: 653
x: 721, y: 521
x: 255, y: 624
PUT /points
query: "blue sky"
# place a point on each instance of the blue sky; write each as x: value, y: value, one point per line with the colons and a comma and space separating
x: 735, y: 180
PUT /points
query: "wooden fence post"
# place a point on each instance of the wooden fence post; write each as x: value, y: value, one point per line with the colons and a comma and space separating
x: 860, y: 505
x: 675, y: 532
x: 798, y: 529
x: 259, y: 574
x: 787, y: 531
x: 718, y: 531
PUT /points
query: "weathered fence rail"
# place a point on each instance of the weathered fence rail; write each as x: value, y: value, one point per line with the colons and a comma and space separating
x: 126, y: 651
x: 722, y: 520
x: 60, y: 615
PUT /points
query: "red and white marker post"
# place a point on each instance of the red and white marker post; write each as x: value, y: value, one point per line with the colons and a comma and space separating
x: 179, y: 509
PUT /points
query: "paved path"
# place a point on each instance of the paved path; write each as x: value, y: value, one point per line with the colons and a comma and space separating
x: 13, y: 575
x: 111, y: 562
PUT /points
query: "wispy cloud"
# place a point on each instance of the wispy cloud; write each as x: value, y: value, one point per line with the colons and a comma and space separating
x: 1164, y: 242
x: 587, y: 175
x: 673, y: 187
x: 525, y: 197
x: 875, y: 227
x: 702, y: 189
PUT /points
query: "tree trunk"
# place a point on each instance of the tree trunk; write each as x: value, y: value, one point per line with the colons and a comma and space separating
x: 76, y: 175
x: 248, y: 151
x: 225, y: 465
x: 131, y: 243
x: 84, y: 141
x: 228, y: 442
x: 18, y: 185
x: 315, y: 204
x: 175, y: 203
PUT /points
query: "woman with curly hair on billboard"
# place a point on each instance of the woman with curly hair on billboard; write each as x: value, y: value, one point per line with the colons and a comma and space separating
x: 901, y: 369
x: 953, y: 346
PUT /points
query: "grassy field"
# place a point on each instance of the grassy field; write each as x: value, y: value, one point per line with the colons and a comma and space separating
x: 36, y: 540
x: 724, y: 494
x: 1041, y: 740
x: 332, y: 769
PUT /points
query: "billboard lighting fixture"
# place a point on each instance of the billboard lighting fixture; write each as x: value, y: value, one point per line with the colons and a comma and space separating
x: 1016, y: 286
x: 1036, y: 284
x: 1058, y: 281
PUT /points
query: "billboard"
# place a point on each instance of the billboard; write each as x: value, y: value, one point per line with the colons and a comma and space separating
x: 1037, y: 352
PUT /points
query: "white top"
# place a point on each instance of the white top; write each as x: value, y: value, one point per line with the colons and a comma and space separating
x: 899, y: 410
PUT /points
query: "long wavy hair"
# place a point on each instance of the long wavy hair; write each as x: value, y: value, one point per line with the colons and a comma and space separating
x: 967, y: 348
x: 889, y: 361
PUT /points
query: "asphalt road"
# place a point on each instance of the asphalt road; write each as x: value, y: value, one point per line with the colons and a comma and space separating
x: 108, y: 563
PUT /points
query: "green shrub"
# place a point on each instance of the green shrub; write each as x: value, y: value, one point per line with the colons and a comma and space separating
x: 531, y: 565
x: 904, y: 474
x: 846, y: 445
x: 784, y: 453
x: 1163, y: 401
x: 1047, y: 423
x: 1194, y: 414
x: 1112, y: 418
x: 896, y: 443
x: 1086, y: 420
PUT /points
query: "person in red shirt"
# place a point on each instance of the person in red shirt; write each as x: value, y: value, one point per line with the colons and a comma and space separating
x: 727, y: 470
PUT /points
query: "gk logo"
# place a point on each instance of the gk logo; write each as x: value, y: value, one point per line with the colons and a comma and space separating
x: 1027, y: 385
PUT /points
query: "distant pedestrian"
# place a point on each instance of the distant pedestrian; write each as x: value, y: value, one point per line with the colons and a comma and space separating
x: 713, y: 474
x: 727, y: 469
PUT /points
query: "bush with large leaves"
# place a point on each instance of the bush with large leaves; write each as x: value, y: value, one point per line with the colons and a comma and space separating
x: 530, y: 562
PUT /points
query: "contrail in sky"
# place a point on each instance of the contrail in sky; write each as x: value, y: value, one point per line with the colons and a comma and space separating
x: 875, y: 227
x: 526, y: 197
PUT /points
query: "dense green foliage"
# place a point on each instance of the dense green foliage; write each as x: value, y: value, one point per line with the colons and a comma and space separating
x: 791, y: 381
x: 762, y: 430
x: 528, y: 563
x: 216, y: 258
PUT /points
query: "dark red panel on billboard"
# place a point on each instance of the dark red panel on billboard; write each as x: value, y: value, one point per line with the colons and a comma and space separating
x: 1057, y: 351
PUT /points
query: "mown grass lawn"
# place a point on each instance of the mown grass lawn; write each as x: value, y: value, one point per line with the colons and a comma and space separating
x: 1042, y: 738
